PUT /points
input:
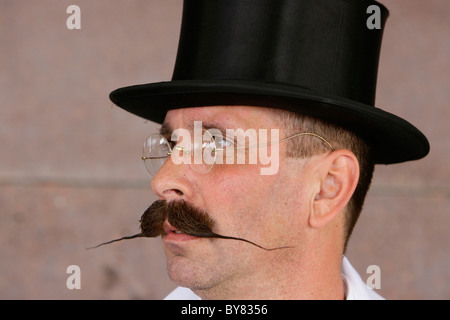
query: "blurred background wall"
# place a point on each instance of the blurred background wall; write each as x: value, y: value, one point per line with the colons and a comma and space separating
x: 70, y: 168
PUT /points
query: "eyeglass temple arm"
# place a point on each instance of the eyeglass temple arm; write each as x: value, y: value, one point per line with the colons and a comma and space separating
x: 288, y: 138
x: 148, y: 158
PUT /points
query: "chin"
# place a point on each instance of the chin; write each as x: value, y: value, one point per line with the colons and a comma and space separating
x: 189, y: 274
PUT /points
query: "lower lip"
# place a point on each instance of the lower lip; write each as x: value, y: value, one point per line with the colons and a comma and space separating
x: 174, y: 237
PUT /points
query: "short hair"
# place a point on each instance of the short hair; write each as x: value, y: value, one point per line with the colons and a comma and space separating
x: 340, y: 138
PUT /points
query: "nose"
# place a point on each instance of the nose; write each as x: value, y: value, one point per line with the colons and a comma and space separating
x: 171, y: 182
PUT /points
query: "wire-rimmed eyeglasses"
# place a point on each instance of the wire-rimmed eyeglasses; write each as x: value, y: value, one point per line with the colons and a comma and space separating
x: 201, y: 155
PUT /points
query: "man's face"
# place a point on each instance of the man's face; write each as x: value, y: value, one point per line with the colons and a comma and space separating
x: 270, y: 210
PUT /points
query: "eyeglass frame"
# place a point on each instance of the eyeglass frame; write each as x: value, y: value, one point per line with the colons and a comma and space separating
x: 184, y: 150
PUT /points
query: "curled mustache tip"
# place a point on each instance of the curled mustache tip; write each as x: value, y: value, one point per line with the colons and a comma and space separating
x: 115, y: 240
x: 151, y: 223
x: 218, y: 236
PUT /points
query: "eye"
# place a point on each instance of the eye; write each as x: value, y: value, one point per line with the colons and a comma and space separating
x: 222, y: 143
x: 172, y: 144
x: 175, y: 141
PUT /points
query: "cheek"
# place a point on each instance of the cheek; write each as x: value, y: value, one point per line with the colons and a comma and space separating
x: 231, y: 182
x: 232, y: 199
x: 244, y: 203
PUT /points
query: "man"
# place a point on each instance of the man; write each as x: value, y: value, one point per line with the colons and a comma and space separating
x: 305, y: 71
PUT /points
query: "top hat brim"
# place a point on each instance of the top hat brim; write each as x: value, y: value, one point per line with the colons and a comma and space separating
x: 392, y: 139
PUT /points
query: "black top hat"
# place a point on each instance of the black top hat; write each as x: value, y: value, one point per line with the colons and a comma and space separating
x: 315, y: 57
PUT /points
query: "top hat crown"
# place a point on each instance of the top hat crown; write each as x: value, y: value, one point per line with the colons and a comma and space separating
x: 315, y: 57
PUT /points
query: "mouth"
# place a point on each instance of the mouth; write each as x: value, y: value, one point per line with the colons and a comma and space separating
x: 172, y: 234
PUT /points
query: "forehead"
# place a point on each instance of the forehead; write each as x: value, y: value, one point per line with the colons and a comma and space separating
x: 223, y: 116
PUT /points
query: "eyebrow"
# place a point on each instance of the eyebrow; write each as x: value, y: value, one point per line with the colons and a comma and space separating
x: 206, y: 125
x: 165, y: 130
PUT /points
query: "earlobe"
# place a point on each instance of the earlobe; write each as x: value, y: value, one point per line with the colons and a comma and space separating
x: 337, y: 178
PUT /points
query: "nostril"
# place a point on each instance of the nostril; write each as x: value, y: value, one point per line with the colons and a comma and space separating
x: 172, y: 195
x: 176, y: 191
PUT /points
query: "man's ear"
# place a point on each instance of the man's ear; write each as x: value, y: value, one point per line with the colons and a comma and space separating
x: 336, y: 176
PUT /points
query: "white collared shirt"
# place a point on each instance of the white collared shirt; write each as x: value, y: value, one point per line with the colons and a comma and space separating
x: 355, y: 288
